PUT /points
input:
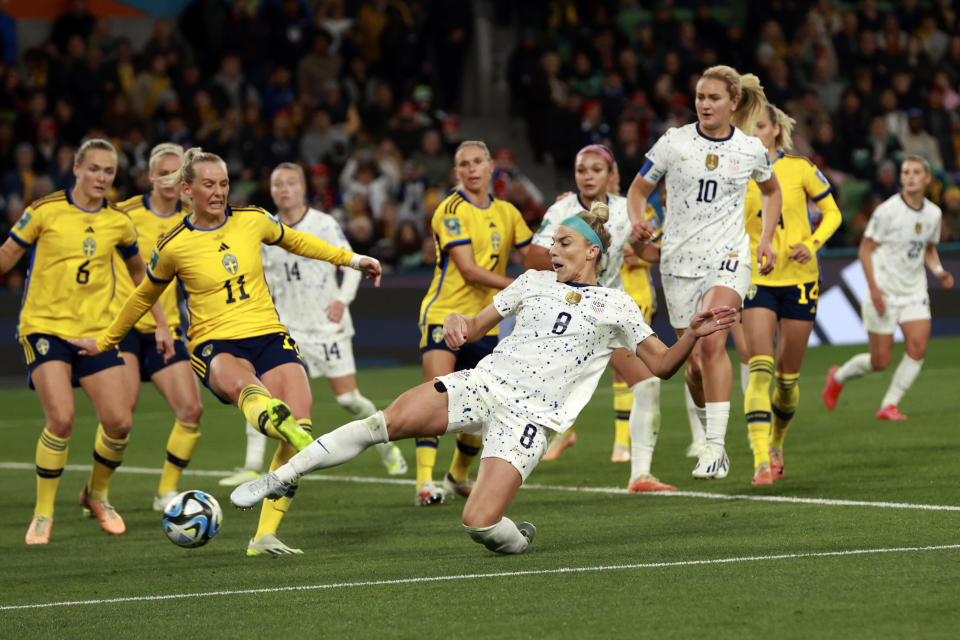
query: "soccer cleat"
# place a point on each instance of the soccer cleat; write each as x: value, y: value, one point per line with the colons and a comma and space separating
x: 890, y: 412
x: 428, y: 495
x: 621, y: 453
x: 648, y: 484
x: 392, y: 459
x: 528, y: 531
x: 452, y: 488
x: 713, y: 463
x: 238, y: 477
x: 282, y: 419
x: 762, y: 475
x: 39, y: 530
x: 160, y: 502
x: 269, y: 545
x: 832, y: 389
x: 695, y: 449
x: 558, y: 443
x: 251, y: 493
x: 110, y: 520
x: 776, y: 463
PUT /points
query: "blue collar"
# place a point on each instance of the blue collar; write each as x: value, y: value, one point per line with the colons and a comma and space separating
x: 703, y: 135
x: 226, y: 218
x: 103, y: 203
x: 146, y: 203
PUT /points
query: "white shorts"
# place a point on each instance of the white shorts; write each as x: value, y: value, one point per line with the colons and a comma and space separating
x: 471, y: 408
x: 684, y: 295
x: 327, y: 356
x: 896, y: 314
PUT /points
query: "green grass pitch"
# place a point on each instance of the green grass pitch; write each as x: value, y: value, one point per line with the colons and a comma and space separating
x: 849, y: 555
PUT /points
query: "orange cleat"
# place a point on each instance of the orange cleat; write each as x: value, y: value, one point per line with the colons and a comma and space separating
x: 890, y: 412
x: 762, y: 475
x: 832, y: 389
x: 776, y: 463
x: 558, y: 443
x: 621, y: 453
x: 39, y: 530
x: 110, y: 520
x: 648, y: 484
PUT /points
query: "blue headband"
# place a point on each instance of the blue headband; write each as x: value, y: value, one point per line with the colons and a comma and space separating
x: 580, y: 225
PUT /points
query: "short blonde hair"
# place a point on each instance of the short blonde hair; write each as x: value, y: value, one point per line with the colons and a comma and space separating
x: 93, y: 143
x: 164, y: 149
x: 745, y: 90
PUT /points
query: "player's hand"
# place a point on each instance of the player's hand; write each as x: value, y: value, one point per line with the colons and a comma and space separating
x: 563, y: 195
x: 87, y: 346
x: 164, y: 343
x: 946, y: 279
x: 455, y: 331
x: 711, y: 320
x: 642, y: 231
x: 801, y: 253
x: 630, y: 256
x: 371, y: 267
x: 335, y: 311
x: 766, y: 258
x: 876, y: 297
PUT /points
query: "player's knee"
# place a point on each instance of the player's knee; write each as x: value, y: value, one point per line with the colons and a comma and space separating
x: 190, y: 412
x: 879, y: 361
x: 117, y: 425
x: 60, y: 423
x: 916, y: 349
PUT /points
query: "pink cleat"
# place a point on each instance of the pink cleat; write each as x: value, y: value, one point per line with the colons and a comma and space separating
x: 890, y: 412
x: 832, y: 389
x: 647, y: 484
x: 776, y: 463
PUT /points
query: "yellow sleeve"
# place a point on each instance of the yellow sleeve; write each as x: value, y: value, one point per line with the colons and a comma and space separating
x: 820, y: 191
x: 310, y: 246
x: 28, y: 228
x: 451, y: 229
x: 136, y: 305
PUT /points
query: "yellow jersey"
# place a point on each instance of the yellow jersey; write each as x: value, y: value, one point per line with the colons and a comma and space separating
x: 221, y: 273
x: 492, y: 232
x: 150, y: 226
x: 799, y: 180
x: 71, y: 279
x: 637, y: 279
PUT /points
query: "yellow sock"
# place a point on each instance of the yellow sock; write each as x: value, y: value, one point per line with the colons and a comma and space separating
x: 468, y: 446
x: 786, y: 397
x: 622, y: 404
x: 253, y: 404
x: 107, y: 456
x: 51, y: 459
x: 272, y: 511
x: 426, y: 459
x: 180, y: 445
x: 756, y: 406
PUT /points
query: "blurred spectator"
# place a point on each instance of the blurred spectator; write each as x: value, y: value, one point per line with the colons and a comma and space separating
x: 148, y: 87
x: 318, y: 67
x: 77, y: 21
x: 404, y: 128
x: 627, y: 150
x: 362, y: 177
x: 359, y: 86
x: 506, y: 175
x: 231, y: 88
x: 18, y: 182
x: 593, y: 128
x: 450, y: 132
x: 851, y: 121
x: 332, y: 18
x: 289, y: 26
x: 434, y: 159
x: 376, y: 115
x: 951, y: 215
x: 207, y: 22
x: 164, y: 41
x: 408, y: 247
x: 281, y: 145
x: 868, y: 204
x: 61, y: 171
x: 322, y: 196
x: 450, y: 30
x: 917, y: 141
x: 547, y: 91
x: 411, y: 192
x: 323, y: 142
x: 885, y: 185
x: 939, y: 123
x: 360, y: 234
x: 279, y: 93
x: 877, y: 146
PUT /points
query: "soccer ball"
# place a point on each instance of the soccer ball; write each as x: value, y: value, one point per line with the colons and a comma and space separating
x: 191, y: 518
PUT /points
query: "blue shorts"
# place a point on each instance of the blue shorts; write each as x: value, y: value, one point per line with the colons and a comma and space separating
x: 43, y: 347
x: 263, y: 352
x: 144, y: 347
x: 469, y: 354
x: 794, y: 302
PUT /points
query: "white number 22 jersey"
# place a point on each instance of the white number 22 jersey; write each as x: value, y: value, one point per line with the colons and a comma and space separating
x: 706, y: 187
x: 302, y: 288
x: 548, y: 368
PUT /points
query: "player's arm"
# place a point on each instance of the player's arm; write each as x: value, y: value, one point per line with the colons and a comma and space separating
x: 665, y: 361
x: 458, y: 329
x: 472, y: 273
x: 10, y: 253
x: 346, y: 294
x: 867, y: 246
x: 932, y: 259
x: 538, y: 258
x: 640, y: 189
x: 137, y: 269
x: 770, y: 217
x: 142, y: 298
x: 310, y: 246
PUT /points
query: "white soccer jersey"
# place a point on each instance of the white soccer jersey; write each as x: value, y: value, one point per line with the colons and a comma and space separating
x: 302, y: 288
x: 902, y: 234
x: 548, y: 368
x: 707, y: 181
x: 618, y: 225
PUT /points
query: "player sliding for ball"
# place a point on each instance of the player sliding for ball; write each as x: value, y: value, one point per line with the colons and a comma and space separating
x: 535, y: 381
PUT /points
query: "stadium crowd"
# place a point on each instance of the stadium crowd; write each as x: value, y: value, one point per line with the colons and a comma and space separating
x: 365, y: 96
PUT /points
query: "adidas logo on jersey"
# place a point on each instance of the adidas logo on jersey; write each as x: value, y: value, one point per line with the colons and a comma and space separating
x: 493, y: 226
x: 89, y: 230
x: 223, y: 246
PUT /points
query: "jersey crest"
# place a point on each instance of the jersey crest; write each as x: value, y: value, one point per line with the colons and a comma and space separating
x: 230, y: 263
x: 495, y: 241
x: 90, y: 246
x: 918, y: 228
x: 43, y: 346
x: 573, y: 298
x: 437, y: 334
x: 453, y: 226
x: 712, y: 161
x: 24, y: 220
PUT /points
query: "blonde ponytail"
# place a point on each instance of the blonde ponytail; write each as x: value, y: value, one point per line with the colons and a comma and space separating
x: 785, y: 137
x: 597, y: 217
x: 745, y: 90
x: 186, y: 172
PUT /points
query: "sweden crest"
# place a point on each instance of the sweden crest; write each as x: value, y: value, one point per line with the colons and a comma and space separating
x: 207, y: 350
x: 230, y: 263
x: 43, y: 346
x: 752, y: 292
x: 89, y: 246
x: 495, y: 240
x: 437, y: 334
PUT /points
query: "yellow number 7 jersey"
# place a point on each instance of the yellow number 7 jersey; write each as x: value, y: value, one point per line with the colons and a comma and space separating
x: 221, y: 274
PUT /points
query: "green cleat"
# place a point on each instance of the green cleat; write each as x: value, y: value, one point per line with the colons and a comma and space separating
x: 528, y: 531
x: 282, y: 419
x: 269, y: 545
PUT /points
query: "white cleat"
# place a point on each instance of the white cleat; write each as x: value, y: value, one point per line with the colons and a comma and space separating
x: 713, y: 463
x: 428, y: 495
x: 696, y: 449
x: 392, y: 458
x: 160, y: 502
x: 239, y: 477
x: 452, y: 488
x: 269, y: 544
x: 251, y: 493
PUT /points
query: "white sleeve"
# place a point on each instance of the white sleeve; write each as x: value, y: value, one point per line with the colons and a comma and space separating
x: 874, y: 229
x: 935, y: 231
x: 634, y: 329
x: 349, y: 286
x: 544, y: 235
x: 762, y: 170
x: 507, y: 300
x: 332, y: 234
x: 659, y: 158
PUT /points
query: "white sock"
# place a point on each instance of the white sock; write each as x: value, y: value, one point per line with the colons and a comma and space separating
x: 361, y: 407
x: 697, y: 417
x: 644, y: 425
x: 907, y: 371
x: 503, y: 537
x: 856, y: 367
x: 256, y: 447
x: 744, y: 377
x: 718, y: 414
x: 336, y: 447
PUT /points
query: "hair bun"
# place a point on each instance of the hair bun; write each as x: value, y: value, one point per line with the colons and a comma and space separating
x: 599, y: 211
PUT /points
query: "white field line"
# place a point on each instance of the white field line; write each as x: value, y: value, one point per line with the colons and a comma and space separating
x: 546, y: 487
x: 477, y: 576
